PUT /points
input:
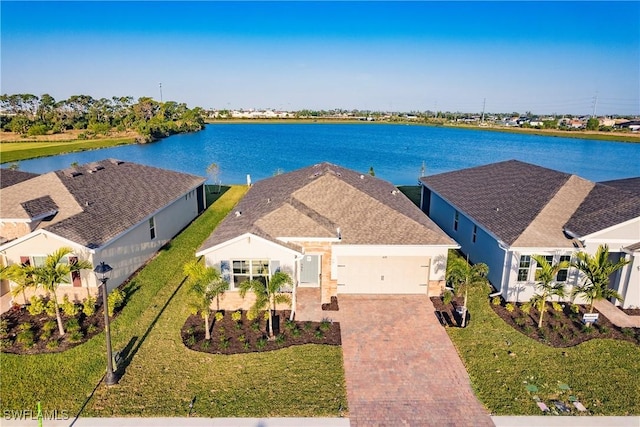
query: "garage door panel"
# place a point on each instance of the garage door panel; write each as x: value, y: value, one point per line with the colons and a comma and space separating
x: 382, y: 275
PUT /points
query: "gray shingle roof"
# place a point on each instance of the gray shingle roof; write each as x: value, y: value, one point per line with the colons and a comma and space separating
x: 605, y: 206
x: 100, y: 200
x: 631, y: 185
x: 528, y: 205
x: 9, y: 177
x: 504, y: 198
x: 316, y: 200
x: 39, y: 206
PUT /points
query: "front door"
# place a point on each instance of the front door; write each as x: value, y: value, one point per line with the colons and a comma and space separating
x: 310, y: 271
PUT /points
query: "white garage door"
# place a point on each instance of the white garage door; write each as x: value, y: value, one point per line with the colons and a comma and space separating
x: 382, y: 275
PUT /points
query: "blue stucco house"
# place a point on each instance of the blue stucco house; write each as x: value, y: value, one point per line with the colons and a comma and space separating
x: 503, y: 213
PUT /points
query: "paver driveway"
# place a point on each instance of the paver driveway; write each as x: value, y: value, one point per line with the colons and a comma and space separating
x: 400, y: 366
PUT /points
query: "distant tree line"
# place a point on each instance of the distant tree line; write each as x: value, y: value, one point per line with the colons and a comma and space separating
x: 28, y: 114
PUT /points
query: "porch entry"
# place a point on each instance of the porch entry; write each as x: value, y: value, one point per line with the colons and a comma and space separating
x: 310, y: 271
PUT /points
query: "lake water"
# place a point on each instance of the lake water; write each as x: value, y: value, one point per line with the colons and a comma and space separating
x: 395, y: 151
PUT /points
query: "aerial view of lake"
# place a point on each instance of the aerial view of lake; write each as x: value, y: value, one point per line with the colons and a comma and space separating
x: 395, y: 151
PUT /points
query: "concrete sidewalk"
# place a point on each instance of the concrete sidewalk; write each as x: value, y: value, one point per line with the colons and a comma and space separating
x: 565, y: 421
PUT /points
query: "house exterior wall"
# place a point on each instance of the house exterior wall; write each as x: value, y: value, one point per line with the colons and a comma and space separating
x: 132, y: 250
x: 43, y: 245
x: 12, y: 230
x: 328, y: 283
x: 485, y: 249
x: 630, y: 281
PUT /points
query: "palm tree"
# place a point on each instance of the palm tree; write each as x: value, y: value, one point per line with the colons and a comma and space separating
x: 596, y: 270
x: 23, y: 276
x: 206, y: 284
x: 463, y: 276
x: 268, y: 294
x: 54, y: 272
x: 546, y: 284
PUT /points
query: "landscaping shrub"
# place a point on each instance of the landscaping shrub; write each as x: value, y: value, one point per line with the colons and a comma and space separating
x: 75, y: 336
x: 447, y: 297
x: 496, y: 300
x: 37, y: 306
x: 280, y: 339
x: 261, y: 343
x: 115, y: 300
x: 556, y: 306
x: 50, y: 308
x: 69, y: 308
x: 219, y: 316
x: 325, y: 325
x: 53, y: 344
x: 318, y: 334
x: 520, y: 321
x: 89, y: 306
x: 509, y: 307
x: 25, y: 335
x: 236, y: 316
x: 72, y: 325
x: 526, y: 308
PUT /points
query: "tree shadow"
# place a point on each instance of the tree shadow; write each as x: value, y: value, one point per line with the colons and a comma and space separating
x: 213, y: 193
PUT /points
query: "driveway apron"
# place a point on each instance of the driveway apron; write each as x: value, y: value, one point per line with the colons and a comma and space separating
x: 401, y: 368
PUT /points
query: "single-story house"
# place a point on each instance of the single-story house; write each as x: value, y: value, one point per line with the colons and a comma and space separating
x: 118, y: 212
x: 503, y: 213
x: 330, y: 228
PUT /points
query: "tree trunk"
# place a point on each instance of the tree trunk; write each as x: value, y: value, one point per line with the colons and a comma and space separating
x: 293, y: 303
x: 207, y: 334
x: 464, y: 315
x: 591, y: 307
x: 541, y: 314
x: 270, y: 324
x: 58, y: 317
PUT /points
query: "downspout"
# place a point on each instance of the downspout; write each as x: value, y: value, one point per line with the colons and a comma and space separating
x: 502, y: 246
x: 296, y: 260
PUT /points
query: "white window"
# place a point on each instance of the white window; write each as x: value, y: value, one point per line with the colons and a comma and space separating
x: 523, y: 268
x: 152, y: 227
x: 563, y: 274
x: 244, y: 270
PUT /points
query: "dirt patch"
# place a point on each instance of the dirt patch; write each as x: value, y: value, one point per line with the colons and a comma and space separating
x: 630, y: 311
x: 68, y: 135
x: 332, y: 306
x: 234, y: 333
x: 560, y: 328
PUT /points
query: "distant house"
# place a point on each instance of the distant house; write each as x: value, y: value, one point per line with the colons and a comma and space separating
x: 112, y: 211
x: 330, y: 228
x: 503, y: 213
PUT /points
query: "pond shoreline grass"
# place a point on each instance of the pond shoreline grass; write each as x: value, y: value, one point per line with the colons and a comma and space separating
x: 16, y: 151
x: 161, y: 376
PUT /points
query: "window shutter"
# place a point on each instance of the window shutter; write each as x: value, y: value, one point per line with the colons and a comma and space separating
x: 24, y: 260
x: 225, y: 270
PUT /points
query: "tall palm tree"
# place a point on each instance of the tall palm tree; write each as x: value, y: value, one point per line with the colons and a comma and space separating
x: 268, y: 294
x: 55, y: 272
x: 546, y: 284
x: 596, y: 270
x: 206, y: 284
x: 463, y: 276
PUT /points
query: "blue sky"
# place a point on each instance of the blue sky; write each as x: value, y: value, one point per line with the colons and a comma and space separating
x: 543, y: 57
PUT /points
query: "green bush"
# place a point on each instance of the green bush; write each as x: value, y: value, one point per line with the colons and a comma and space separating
x: 575, y: 308
x: 37, y: 130
x: 447, y: 297
x: 219, y: 316
x: 45, y: 335
x: 325, y: 325
x: 91, y: 329
x: 318, y: 334
x: 255, y: 326
x: 526, y: 308
x: 296, y: 332
x: 509, y: 307
x: 261, y: 343
x: 206, y: 344
x: 72, y: 325
x: 520, y: 321
x: 241, y: 338
x: 290, y: 324
x: 236, y: 316
x: 50, y: 308
x: 25, y: 335
x: 69, y: 308
x: 75, y: 336
x: 53, y: 344
x: 89, y: 306
x: 4, y: 328
x: 556, y: 306
x: 224, y: 344
x: 50, y: 325
x: 115, y: 300
x: 280, y: 339
x: 191, y: 341
x: 496, y: 300
x: 37, y: 306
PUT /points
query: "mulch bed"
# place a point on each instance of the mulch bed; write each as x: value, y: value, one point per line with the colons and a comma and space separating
x: 229, y: 336
x: 332, y: 306
x: 559, y: 329
x: 16, y: 316
x: 630, y: 311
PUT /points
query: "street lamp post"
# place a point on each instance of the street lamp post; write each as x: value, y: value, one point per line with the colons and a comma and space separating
x: 102, y: 273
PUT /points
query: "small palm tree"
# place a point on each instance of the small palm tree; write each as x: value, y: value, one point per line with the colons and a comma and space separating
x: 55, y: 272
x: 206, y: 285
x: 268, y: 294
x: 546, y: 284
x: 23, y: 277
x: 462, y: 276
x: 596, y: 270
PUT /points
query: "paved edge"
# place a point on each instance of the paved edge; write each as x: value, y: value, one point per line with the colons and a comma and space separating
x: 565, y: 421
x: 188, y: 422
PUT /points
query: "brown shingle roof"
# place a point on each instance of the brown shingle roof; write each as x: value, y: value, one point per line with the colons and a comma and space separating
x: 504, y: 198
x: 9, y: 177
x: 315, y: 201
x: 632, y: 185
x: 101, y: 200
x: 40, y: 206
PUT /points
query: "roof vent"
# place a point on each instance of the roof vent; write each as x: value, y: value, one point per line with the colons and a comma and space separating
x: 116, y: 161
x: 394, y: 192
x: 361, y: 176
x: 497, y: 209
x: 339, y: 233
x: 238, y: 213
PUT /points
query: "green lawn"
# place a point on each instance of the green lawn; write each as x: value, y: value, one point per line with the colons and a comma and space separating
x: 603, y: 374
x: 161, y: 376
x: 16, y: 151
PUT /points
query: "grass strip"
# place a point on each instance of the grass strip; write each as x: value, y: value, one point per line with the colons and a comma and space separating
x: 16, y: 151
x: 162, y: 376
x: 602, y: 374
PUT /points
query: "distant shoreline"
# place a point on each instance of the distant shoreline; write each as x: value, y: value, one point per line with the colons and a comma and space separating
x: 633, y: 138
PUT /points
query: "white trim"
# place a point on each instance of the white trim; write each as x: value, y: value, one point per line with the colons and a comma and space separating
x: 241, y: 237
x: 46, y: 234
x: 309, y: 239
x: 21, y: 220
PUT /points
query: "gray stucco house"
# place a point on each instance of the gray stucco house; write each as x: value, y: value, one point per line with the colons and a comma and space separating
x: 118, y: 212
x: 502, y: 213
x: 330, y: 228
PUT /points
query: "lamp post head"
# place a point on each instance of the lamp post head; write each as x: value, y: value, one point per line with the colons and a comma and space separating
x: 102, y: 271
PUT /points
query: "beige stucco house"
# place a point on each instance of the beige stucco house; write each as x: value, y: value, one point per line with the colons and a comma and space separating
x: 118, y: 212
x: 330, y: 228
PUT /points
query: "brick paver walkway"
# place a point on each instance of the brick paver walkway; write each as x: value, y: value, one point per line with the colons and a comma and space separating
x: 617, y: 316
x: 401, y: 368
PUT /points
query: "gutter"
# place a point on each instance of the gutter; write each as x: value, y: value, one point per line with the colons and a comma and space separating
x: 504, y: 247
